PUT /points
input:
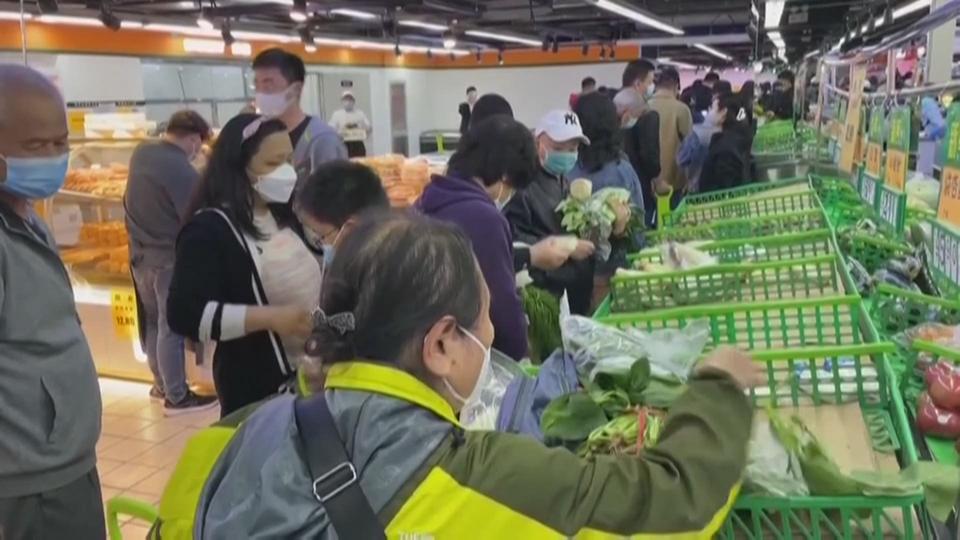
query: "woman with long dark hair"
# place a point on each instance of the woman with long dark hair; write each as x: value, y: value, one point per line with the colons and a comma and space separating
x: 244, y: 278
x: 728, y: 159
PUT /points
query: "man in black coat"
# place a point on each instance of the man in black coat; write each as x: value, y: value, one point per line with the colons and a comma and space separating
x: 641, y: 135
x: 466, y: 109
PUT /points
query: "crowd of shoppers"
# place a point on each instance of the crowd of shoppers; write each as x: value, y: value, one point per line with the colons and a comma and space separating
x: 284, y: 257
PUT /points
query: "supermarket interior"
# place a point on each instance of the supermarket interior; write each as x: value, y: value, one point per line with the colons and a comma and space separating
x: 375, y: 268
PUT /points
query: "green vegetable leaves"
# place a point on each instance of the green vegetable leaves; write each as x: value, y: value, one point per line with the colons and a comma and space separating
x: 571, y: 417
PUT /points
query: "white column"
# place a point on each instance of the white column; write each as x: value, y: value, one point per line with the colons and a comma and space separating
x: 940, y: 43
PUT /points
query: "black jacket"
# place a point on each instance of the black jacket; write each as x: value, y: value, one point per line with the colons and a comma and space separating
x: 728, y: 162
x: 465, y: 113
x: 641, y: 143
x: 215, y: 271
x: 532, y: 215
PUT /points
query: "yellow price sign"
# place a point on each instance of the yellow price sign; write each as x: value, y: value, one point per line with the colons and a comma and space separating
x: 123, y: 305
x: 896, y: 169
x: 77, y: 123
x: 874, y: 159
x: 949, y: 209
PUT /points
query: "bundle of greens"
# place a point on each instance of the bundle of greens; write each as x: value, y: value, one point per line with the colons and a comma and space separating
x: 590, y: 215
x: 619, y: 411
x: 543, y: 318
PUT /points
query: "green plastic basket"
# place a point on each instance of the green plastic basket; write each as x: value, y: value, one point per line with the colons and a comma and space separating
x: 765, y: 248
x: 868, y: 380
x: 761, y: 204
x: 832, y: 189
x: 831, y: 320
x: 872, y: 250
x: 748, y: 190
x: 727, y: 282
x: 748, y: 227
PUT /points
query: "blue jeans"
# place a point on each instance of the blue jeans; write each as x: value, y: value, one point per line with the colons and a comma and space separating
x: 164, y: 348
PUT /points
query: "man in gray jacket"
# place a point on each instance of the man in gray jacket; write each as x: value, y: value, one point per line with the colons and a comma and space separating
x: 49, y: 397
x: 161, y: 182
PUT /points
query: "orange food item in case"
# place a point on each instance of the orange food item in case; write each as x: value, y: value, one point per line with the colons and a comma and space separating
x: 403, y: 179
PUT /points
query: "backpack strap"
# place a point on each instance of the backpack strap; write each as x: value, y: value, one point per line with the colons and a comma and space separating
x: 336, y: 484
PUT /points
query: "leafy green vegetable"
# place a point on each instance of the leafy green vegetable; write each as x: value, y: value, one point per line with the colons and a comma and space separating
x: 543, y: 312
x: 661, y: 392
x: 823, y: 476
x: 639, y: 377
x: 571, y: 417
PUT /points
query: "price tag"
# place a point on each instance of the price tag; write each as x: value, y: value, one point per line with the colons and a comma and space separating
x: 896, y: 175
x: 123, y: 305
x: 949, y: 209
x: 891, y: 206
x: 946, y: 253
x: 851, y: 129
x: 76, y: 123
x: 874, y: 159
x: 868, y: 189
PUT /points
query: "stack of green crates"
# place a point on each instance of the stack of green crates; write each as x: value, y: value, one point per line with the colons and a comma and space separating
x: 780, y: 290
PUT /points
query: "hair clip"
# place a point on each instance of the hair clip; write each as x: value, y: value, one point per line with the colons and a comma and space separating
x: 341, y: 322
x: 741, y: 115
x: 251, y: 129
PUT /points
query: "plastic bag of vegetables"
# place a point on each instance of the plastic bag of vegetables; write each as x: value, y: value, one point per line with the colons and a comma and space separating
x: 770, y: 467
x: 483, y: 414
x: 590, y: 215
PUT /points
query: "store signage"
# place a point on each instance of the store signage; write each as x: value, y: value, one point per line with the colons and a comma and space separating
x: 851, y: 127
x: 874, y: 158
x: 891, y: 206
x: 948, y: 210
x: 945, y: 259
x: 76, y: 123
x: 898, y: 148
x: 868, y: 189
x: 123, y: 305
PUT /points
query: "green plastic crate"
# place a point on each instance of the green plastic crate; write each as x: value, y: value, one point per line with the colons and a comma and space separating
x: 872, y: 250
x: 831, y: 320
x: 746, y: 190
x: 868, y: 381
x: 765, y: 248
x: 760, y: 204
x: 727, y: 282
x: 748, y: 227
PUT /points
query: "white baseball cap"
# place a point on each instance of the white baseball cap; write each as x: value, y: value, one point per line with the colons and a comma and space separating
x: 562, y: 126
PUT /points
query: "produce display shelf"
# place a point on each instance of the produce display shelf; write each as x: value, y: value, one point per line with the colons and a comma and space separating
x: 762, y: 204
x: 727, y: 282
x: 785, y: 186
x: 767, y: 248
x: 743, y: 227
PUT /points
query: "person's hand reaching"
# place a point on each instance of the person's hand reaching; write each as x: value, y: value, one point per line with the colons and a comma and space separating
x: 550, y: 253
x: 622, y: 219
x: 736, y: 364
x: 292, y: 321
x: 585, y: 248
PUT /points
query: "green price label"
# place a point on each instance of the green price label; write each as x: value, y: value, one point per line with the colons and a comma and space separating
x: 952, y: 141
x: 868, y: 190
x: 899, y: 129
x: 891, y: 206
x: 876, y: 125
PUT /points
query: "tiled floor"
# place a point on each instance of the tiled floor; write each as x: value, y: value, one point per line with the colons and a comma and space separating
x: 139, y: 446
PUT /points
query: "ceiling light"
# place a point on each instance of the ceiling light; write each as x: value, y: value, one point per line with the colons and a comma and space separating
x: 888, y: 15
x: 429, y: 54
x: 66, y: 19
x: 772, y: 13
x: 186, y: 5
x: 449, y: 40
x: 299, y: 11
x: 500, y: 58
x: 310, y: 48
x: 131, y: 24
x: 674, y: 63
x: 912, y: 7
x: 502, y: 37
x: 585, y: 48
x: 638, y: 16
x: 421, y: 24
x: 356, y: 14
x: 305, y: 36
x: 204, y: 23
x: 757, y: 67
x: 205, y: 46
x: 715, y: 52
x: 11, y: 16
x: 185, y: 30
x: 753, y: 10
x: 241, y: 49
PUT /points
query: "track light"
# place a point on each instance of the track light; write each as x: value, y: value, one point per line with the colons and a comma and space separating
x: 396, y: 51
x: 556, y: 44
x: 204, y: 22
x: 613, y: 51
x: 449, y: 40
x: 107, y: 17
x: 226, y: 34
x: 299, y: 11
x: 479, y: 56
x: 603, y: 51
x: 305, y: 36
x: 453, y: 57
x: 429, y: 54
x: 500, y: 57
x: 310, y: 48
x: 585, y: 48
x: 546, y: 44
x: 888, y: 14
x: 48, y: 6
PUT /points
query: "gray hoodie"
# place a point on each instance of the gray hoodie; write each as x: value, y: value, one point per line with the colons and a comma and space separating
x: 49, y: 396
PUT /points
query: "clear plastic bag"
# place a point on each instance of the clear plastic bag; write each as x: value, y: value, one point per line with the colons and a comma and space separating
x: 482, y: 416
x: 771, y: 469
x: 598, y: 347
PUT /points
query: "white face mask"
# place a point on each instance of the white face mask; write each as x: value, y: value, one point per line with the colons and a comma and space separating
x: 482, y: 379
x: 273, y: 105
x: 277, y: 185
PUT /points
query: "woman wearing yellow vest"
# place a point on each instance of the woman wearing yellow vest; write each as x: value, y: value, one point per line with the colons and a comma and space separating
x: 416, y: 351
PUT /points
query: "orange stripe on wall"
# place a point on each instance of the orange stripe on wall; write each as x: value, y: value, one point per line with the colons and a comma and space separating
x: 59, y: 38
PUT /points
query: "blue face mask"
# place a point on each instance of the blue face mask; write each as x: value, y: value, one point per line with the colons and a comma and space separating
x: 34, y: 178
x: 560, y: 163
x: 328, y: 253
